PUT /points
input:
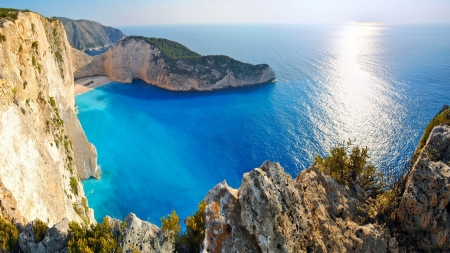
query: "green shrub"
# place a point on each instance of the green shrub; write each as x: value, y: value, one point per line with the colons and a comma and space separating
x: 84, y: 204
x: 443, y: 117
x: 74, y: 185
x: 348, y: 164
x: 14, y: 91
x: 58, y: 56
x: 52, y: 102
x: 99, y: 238
x: 39, y: 228
x: 171, y: 226
x: 9, y: 236
x: 9, y: 13
x: 35, y: 45
x: 168, y: 48
x: 195, y: 231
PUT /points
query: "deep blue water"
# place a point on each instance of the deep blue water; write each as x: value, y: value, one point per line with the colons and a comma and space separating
x: 161, y: 150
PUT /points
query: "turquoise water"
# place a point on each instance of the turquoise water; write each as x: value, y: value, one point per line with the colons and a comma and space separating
x: 161, y: 150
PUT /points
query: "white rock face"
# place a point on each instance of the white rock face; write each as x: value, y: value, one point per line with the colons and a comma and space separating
x: 42, y: 143
x: 133, y: 58
x: 271, y: 212
x: 425, y: 207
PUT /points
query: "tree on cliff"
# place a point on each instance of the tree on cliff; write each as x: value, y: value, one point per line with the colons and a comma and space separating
x: 348, y: 164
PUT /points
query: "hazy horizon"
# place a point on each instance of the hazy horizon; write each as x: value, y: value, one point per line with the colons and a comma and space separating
x: 145, y: 12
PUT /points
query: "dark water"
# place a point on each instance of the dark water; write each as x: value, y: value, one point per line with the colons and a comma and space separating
x: 96, y: 52
x: 161, y: 150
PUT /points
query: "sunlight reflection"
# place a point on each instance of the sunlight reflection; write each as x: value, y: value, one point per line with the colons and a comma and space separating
x: 356, y: 99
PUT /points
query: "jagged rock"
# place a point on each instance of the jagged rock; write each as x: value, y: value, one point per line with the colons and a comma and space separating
x: 27, y: 239
x: 56, y: 238
x: 225, y: 231
x: 273, y: 213
x: 141, y: 235
x: 424, y: 211
x: 134, y: 58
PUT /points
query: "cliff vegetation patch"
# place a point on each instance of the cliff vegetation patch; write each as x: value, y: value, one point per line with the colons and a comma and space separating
x: 9, y: 236
x: 96, y: 238
x: 443, y: 117
x: 190, y: 240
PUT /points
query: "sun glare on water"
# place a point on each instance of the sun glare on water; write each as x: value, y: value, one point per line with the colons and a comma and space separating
x: 358, y: 96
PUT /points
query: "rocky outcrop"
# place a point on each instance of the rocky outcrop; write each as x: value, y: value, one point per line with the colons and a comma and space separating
x: 140, y: 235
x: 270, y: 212
x: 90, y: 35
x: 55, y: 239
x: 424, y: 211
x: 135, y: 58
x: 43, y: 150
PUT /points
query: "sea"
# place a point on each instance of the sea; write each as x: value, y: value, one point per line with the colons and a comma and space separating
x: 375, y: 84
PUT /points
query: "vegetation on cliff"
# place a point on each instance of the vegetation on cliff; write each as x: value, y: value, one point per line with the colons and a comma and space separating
x: 9, y: 236
x: 443, y: 117
x: 98, y: 238
x: 168, y: 48
x: 190, y: 240
x: 9, y: 13
x: 183, y: 61
x: 348, y: 164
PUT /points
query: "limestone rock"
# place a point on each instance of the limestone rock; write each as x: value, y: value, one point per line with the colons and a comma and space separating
x: 134, y: 58
x: 90, y: 35
x: 141, y: 235
x: 273, y: 213
x: 424, y: 211
x: 79, y: 59
x: 56, y: 238
x: 42, y: 143
x: 225, y: 231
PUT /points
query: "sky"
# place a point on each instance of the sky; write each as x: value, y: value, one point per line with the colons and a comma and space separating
x: 146, y: 12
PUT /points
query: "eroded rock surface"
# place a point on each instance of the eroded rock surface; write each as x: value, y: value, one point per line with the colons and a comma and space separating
x: 140, y: 235
x: 134, y: 58
x: 271, y: 212
x: 425, y: 207
x: 42, y: 144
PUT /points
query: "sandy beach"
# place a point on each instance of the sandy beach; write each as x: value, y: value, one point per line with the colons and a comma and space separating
x: 83, y: 85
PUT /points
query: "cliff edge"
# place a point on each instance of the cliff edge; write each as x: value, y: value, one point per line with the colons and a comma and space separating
x: 90, y: 35
x: 172, y: 66
x: 43, y: 150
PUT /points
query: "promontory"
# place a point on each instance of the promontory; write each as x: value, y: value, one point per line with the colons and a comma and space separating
x: 170, y: 65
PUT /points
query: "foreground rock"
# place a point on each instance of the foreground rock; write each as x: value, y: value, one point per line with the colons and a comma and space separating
x: 271, y: 212
x: 425, y: 207
x: 140, y: 235
x: 135, y: 57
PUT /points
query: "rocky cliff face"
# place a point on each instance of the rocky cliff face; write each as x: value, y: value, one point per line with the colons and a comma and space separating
x: 271, y: 212
x: 43, y: 150
x: 135, y: 58
x: 425, y: 206
x: 90, y: 35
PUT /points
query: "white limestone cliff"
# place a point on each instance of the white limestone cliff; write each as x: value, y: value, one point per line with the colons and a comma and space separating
x: 134, y: 58
x: 43, y: 150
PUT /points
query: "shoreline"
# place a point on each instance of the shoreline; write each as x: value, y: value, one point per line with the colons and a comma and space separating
x: 86, y: 84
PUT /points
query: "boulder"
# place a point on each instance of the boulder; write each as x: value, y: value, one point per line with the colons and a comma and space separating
x: 424, y: 211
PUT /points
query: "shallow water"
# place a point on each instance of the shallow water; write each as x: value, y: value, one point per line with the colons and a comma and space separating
x: 161, y: 150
